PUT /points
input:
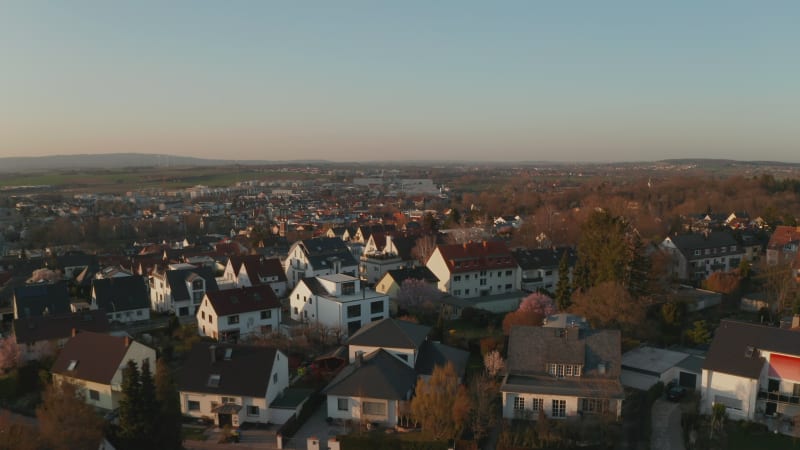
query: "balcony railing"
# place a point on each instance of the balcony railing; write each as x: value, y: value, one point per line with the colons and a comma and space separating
x: 779, y: 397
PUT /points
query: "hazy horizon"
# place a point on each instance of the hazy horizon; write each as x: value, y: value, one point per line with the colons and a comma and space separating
x: 363, y: 81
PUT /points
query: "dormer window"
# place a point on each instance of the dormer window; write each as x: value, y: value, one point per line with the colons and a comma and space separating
x: 213, y: 380
x: 72, y: 364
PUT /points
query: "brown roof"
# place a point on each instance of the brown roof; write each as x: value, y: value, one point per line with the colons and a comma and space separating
x: 473, y: 256
x: 97, y: 356
x: 242, y: 300
x: 258, y: 266
x: 45, y: 328
x: 736, y: 345
x: 782, y: 235
x: 247, y: 372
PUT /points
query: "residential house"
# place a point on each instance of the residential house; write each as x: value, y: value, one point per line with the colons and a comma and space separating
x: 752, y: 369
x: 42, y: 336
x: 232, y: 314
x: 124, y: 299
x: 233, y: 384
x: 540, y: 267
x: 41, y: 299
x: 382, y: 253
x: 386, y: 359
x: 338, y: 302
x: 696, y: 256
x: 255, y: 270
x: 95, y: 361
x: 73, y: 263
x: 564, y: 372
x: 318, y: 256
x: 783, y: 245
x: 179, y: 291
x: 475, y: 269
x: 646, y: 366
x: 393, y: 280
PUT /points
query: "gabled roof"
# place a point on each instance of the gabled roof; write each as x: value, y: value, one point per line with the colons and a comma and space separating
x: 688, y: 243
x: 76, y: 260
x: 542, y: 258
x: 44, y: 328
x: 736, y: 346
x: 246, y: 373
x: 531, y: 348
x: 390, y: 333
x: 473, y: 256
x: 783, y: 235
x: 35, y: 299
x: 404, y: 246
x: 242, y: 300
x: 432, y: 354
x: 314, y: 286
x: 377, y: 375
x: 258, y: 266
x: 97, y: 357
x: 414, y: 273
x: 121, y: 294
x: 322, y: 251
x: 177, y: 281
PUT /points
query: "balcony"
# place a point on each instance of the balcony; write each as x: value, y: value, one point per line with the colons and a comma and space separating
x: 779, y: 397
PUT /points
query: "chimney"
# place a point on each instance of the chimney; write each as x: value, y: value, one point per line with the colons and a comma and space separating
x: 359, y: 358
x: 127, y: 341
x: 213, y: 350
x: 485, y: 244
x: 75, y: 331
x: 796, y: 321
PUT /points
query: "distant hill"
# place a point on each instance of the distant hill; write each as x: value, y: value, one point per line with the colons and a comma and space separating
x: 709, y: 162
x: 121, y: 161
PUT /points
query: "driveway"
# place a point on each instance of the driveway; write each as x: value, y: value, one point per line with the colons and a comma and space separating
x: 667, y: 433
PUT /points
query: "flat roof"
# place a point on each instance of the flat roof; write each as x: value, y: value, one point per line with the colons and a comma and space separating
x: 337, y: 278
x: 652, y: 359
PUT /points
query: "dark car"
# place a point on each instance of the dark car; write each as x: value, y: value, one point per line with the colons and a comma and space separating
x: 676, y: 393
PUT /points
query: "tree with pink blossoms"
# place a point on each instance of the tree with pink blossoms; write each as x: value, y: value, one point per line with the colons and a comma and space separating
x: 417, y: 294
x: 531, y: 312
x: 10, y: 354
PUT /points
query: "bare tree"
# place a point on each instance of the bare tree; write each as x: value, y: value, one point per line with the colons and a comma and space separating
x: 424, y: 247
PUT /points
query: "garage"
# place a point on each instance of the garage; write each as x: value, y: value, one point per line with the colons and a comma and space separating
x: 687, y: 379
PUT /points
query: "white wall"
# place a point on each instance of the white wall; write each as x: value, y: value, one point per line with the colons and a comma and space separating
x: 354, y: 410
x: 409, y: 352
x: 723, y: 384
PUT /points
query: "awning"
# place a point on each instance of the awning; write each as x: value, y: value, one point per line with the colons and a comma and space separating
x: 784, y: 367
x: 227, y: 408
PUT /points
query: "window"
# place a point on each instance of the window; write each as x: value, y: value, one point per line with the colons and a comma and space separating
x: 508, y: 286
x: 568, y: 370
x: 594, y: 405
x: 796, y: 390
x: 466, y: 277
x: 342, y: 404
x: 295, y: 310
x: 466, y: 291
x: 538, y: 404
x: 233, y: 320
x: 210, y: 319
x: 193, y: 405
x: 253, y: 410
x: 274, y: 377
x: 266, y: 314
x: 508, y: 273
x: 349, y: 288
x: 374, y: 409
x: 697, y: 253
x: 139, y: 312
x: 483, y: 273
x: 457, y: 278
x: 483, y: 282
x: 228, y: 400
x: 94, y: 395
x: 519, y: 403
x: 456, y: 292
x: 203, y: 315
x: 197, y: 297
x: 559, y: 408
x: 733, y: 248
x: 402, y: 356
x: 376, y: 307
x: 353, y: 311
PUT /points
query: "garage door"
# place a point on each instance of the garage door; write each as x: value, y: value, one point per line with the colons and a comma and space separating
x: 688, y: 380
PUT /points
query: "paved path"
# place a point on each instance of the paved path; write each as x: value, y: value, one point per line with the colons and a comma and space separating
x: 667, y: 433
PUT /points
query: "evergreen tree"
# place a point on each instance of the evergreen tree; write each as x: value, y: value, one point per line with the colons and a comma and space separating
x: 168, y: 432
x: 148, y: 406
x: 563, y: 288
x: 639, y: 269
x: 129, y: 405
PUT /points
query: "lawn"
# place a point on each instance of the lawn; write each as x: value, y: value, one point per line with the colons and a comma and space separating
x: 193, y: 433
x: 743, y: 439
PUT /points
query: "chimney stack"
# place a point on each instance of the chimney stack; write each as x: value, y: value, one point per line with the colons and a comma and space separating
x: 127, y: 341
x: 74, y: 332
x: 213, y: 350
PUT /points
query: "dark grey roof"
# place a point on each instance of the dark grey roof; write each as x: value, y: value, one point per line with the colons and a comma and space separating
x: 45, y: 328
x: 688, y: 243
x: 416, y: 273
x: 322, y: 251
x: 433, y: 354
x: 378, y: 375
x: 121, y: 293
x: 544, y: 258
x: 390, y: 333
x: 34, y: 299
x: 177, y: 281
x: 247, y: 372
x: 729, y: 349
x: 314, y: 286
x: 530, y: 349
x: 76, y: 260
x: 405, y: 245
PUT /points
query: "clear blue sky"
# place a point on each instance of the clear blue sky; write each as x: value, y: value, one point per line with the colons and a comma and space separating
x: 378, y: 80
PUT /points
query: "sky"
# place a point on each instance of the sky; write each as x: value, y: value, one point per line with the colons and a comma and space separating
x: 403, y: 80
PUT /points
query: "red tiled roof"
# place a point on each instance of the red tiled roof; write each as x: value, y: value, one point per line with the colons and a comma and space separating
x: 97, y: 356
x: 474, y: 256
x: 782, y: 235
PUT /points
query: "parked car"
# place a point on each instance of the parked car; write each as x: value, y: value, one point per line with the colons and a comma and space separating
x: 676, y: 393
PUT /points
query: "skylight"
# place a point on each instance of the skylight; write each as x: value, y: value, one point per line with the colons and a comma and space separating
x: 213, y: 381
x: 72, y: 364
x: 228, y: 353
